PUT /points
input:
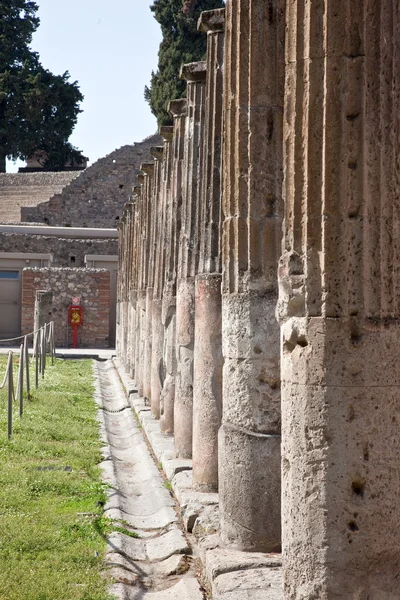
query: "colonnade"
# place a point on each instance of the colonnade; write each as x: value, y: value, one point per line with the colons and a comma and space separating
x: 259, y: 280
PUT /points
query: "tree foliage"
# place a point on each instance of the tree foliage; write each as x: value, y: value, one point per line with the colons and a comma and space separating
x: 181, y: 44
x: 38, y: 110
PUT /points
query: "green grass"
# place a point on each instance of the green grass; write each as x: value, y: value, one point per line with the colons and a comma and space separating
x: 51, y: 495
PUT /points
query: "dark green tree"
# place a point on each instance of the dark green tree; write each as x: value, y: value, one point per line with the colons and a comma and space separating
x: 38, y: 110
x: 181, y: 44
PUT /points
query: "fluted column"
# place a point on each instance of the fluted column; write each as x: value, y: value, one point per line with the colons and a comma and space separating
x: 132, y: 277
x: 249, y: 443
x: 157, y: 328
x: 339, y: 301
x: 195, y: 74
x: 146, y: 293
x: 177, y: 109
x: 207, y: 380
x: 128, y: 234
x: 121, y: 282
x: 158, y: 371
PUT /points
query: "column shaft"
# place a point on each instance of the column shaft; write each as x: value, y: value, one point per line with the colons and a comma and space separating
x: 195, y: 74
x: 249, y: 455
x: 339, y: 302
x: 208, y: 360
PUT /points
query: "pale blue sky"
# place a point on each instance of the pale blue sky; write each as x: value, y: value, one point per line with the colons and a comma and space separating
x: 110, y: 48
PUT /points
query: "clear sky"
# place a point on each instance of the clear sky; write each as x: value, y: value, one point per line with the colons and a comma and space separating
x: 110, y: 47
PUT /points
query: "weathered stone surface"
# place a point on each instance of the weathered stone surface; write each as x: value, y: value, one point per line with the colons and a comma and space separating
x: 109, y: 179
x: 252, y: 584
x: 172, y: 542
x: 225, y: 560
x: 339, y: 303
x: 252, y: 208
x: 176, y: 564
x: 187, y: 589
x: 177, y: 465
x: 207, y: 386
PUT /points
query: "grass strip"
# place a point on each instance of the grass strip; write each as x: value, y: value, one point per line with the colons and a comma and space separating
x: 51, y: 495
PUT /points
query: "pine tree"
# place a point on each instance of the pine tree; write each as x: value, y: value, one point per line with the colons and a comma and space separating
x: 38, y: 110
x: 181, y: 44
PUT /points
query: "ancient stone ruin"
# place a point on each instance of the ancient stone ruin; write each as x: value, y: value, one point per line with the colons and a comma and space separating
x: 58, y: 234
x: 258, y: 274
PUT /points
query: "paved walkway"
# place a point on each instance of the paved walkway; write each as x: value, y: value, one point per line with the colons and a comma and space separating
x: 158, y: 564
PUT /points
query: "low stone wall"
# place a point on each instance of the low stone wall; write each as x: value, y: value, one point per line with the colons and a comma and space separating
x: 67, y: 252
x: 91, y: 285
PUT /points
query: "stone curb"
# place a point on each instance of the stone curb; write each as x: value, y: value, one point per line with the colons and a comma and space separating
x: 228, y: 574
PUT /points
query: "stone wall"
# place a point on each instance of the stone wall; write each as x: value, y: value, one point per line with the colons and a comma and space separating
x: 67, y: 252
x: 96, y: 198
x: 91, y: 285
x: 29, y: 189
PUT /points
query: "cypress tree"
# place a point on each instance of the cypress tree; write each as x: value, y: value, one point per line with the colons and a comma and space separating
x: 181, y: 44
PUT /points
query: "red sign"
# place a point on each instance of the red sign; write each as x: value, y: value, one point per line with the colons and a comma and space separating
x: 75, y: 319
x: 75, y: 315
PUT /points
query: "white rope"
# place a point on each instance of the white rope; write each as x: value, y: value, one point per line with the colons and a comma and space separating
x: 7, y: 370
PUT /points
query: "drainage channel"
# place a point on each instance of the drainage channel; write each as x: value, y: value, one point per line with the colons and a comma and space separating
x: 156, y: 565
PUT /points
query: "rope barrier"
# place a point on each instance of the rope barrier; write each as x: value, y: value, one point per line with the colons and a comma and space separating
x: 43, y: 343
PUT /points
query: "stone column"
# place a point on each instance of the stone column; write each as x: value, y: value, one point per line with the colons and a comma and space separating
x: 132, y: 283
x: 133, y: 277
x: 157, y: 328
x: 43, y: 312
x: 208, y: 360
x: 177, y: 108
x: 140, y: 301
x: 119, y: 343
x: 146, y: 288
x: 195, y: 75
x: 157, y: 359
x: 249, y: 444
x: 128, y: 212
x: 339, y: 302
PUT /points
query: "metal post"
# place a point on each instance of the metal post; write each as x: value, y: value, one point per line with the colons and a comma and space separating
x: 21, y: 380
x: 26, y: 356
x: 43, y: 350
x: 10, y: 395
x: 36, y: 360
x: 52, y: 342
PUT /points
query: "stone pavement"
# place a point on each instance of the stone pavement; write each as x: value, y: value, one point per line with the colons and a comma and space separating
x: 157, y: 565
x: 226, y: 573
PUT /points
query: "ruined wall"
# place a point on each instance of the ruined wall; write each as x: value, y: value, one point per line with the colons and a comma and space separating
x: 97, y: 197
x: 91, y: 285
x: 29, y: 189
x: 67, y: 252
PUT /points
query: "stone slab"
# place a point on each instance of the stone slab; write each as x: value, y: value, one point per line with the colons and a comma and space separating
x: 172, y: 542
x: 223, y: 560
x: 176, y: 465
x: 252, y: 584
x: 131, y: 548
x: 187, y: 589
x: 177, y: 564
x: 162, y: 518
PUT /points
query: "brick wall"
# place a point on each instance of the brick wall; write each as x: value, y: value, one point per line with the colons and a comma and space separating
x: 93, y: 287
